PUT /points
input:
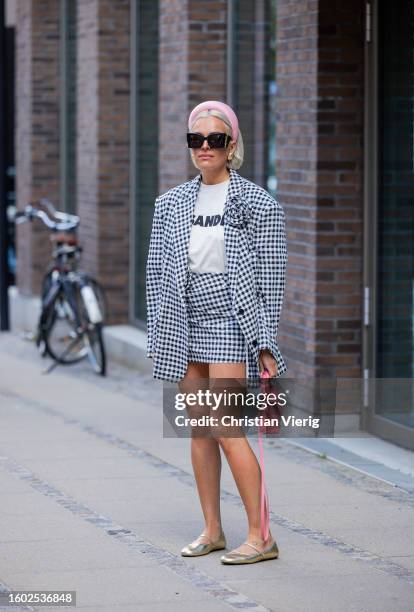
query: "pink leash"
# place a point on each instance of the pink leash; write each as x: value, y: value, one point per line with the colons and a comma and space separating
x: 264, y: 499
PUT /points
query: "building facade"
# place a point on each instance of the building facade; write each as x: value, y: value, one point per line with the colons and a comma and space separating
x: 323, y: 94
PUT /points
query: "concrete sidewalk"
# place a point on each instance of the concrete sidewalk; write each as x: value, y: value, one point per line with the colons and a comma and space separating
x: 94, y: 499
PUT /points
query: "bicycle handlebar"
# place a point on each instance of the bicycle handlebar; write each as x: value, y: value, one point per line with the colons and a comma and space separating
x: 65, y: 217
x: 66, y: 221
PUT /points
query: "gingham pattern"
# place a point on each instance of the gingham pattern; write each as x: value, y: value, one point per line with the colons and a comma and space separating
x: 256, y: 256
x: 214, y: 333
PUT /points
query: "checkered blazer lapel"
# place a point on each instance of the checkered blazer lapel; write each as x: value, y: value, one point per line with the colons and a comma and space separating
x: 183, y: 215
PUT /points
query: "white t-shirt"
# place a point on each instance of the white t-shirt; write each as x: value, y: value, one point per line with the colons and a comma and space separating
x: 206, y: 248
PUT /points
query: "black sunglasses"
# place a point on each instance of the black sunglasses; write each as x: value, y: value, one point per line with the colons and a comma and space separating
x: 216, y: 140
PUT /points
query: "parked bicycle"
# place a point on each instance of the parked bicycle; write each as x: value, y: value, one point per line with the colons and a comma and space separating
x: 73, y: 304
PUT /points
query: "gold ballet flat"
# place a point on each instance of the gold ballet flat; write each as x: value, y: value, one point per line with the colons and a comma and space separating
x: 197, y: 548
x: 238, y: 558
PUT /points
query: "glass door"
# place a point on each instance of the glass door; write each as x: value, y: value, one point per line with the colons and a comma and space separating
x: 390, y: 75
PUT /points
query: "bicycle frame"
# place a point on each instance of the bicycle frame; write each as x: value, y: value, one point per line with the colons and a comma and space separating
x: 79, y: 295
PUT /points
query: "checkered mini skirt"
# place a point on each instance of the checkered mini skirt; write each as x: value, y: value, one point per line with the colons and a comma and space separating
x: 214, y: 333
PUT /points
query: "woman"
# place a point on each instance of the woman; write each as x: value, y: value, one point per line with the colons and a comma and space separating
x: 215, y: 283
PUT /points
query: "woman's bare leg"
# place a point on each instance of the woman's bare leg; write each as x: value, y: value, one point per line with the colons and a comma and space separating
x: 243, y: 462
x: 206, y: 461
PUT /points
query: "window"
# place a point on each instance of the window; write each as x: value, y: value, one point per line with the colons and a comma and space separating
x: 68, y: 61
x: 252, y: 70
x: 144, y: 144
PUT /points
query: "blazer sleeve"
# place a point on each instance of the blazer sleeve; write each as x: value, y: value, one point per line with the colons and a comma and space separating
x: 271, y: 250
x: 154, y: 274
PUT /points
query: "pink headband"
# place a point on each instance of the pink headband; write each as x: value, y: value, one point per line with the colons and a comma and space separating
x: 220, y: 106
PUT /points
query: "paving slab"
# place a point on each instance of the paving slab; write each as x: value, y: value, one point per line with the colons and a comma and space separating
x: 92, y: 495
x: 114, y: 586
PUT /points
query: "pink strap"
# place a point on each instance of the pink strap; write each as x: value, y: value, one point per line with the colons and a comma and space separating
x: 264, y: 500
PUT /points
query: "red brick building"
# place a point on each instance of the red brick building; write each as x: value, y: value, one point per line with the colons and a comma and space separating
x: 323, y: 93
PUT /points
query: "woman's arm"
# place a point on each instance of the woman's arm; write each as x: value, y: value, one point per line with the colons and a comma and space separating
x: 271, y: 249
x: 154, y: 273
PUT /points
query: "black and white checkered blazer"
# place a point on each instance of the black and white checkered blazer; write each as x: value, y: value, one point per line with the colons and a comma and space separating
x: 256, y: 256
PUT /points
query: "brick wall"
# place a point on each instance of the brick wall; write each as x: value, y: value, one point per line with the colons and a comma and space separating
x: 207, y: 56
x: 297, y: 141
x: 319, y: 148
x: 319, y: 171
x: 340, y: 188
x: 87, y: 132
x: 37, y: 129
x: 192, y: 65
x: 173, y: 92
x: 104, y: 146
x: 103, y: 141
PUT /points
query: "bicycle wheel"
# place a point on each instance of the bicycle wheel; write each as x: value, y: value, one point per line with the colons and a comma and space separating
x: 44, y: 318
x: 100, y: 296
x: 91, y: 316
x: 65, y: 343
x: 40, y: 341
x: 96, y: 352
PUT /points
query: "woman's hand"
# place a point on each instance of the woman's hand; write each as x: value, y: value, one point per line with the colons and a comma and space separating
x: 266, y: 360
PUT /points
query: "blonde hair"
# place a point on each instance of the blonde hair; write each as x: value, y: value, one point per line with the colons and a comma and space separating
x: 238, y: 153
